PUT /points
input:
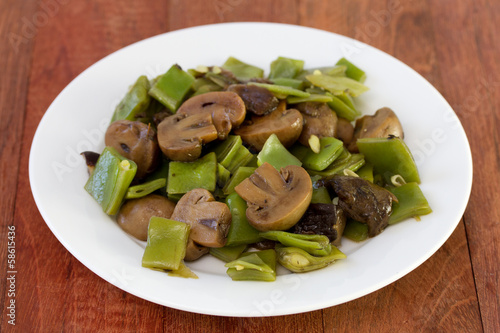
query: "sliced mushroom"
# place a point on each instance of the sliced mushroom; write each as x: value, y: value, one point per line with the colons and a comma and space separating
x: 182, y: 136
x: 364, y: 201
x: 319, y: 120
x: 258, y: 100
x: 226, y: 108
x: 382, y: 124
x: 276, y: 200
x: 322, y: 219
x: 209, y: 219
x: 134, y: 214
x: 194, y: 251
x: 286, y: 124
x: 135, y: 141
x: 345, y: 131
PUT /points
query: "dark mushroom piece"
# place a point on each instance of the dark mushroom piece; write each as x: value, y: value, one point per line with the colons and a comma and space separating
x: 286, y: 124
x: 209, y: 219
x: 322, y: 219
x: 276, y: 199
x: 345, y: 131
x: 90, y: 160
x: 382, y: 124
x: 134, y: 214
x: 226, y: 108
x: 181, y: 136
x: 319, y: 120
x: 136, y: 141
x: 258, y: 100
x: 364, y: 201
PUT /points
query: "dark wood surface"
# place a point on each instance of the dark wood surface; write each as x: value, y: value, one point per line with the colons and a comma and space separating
x: 453, y: 44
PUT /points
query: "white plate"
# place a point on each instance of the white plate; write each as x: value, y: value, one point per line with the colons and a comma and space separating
x: 78, y: 117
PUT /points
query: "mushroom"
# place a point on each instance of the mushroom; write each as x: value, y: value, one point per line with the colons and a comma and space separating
x: 135, y: 141
x: 226, y: 108
x: 90, y: 160
x: 194, y: 251
x: 382, y: 124
x: 258, y: 100
x: 181, y: 136
x: 319, y: 120
x: 345, y: 131
x: 364, y: 201
x: 209, y: 219
x: 276, y: 200
x: 286, y: 124
x: 134, y: 214
x: 322, y: 219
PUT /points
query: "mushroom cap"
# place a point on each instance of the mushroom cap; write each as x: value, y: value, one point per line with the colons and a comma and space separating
x: 226, y: 108
x: 276, y: 200
x: 382, y: 124
x: 258, y: 100
x: 286, y: 124
x: 209, y: 219
x: 136, y: 141
x: 319, y: 120
x: 181, y: 136
x: 134, y: 214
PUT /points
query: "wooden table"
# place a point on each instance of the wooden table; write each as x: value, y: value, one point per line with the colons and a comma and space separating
x: 453, y: 44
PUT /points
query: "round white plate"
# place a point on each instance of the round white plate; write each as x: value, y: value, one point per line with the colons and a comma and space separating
x: 78, y: 117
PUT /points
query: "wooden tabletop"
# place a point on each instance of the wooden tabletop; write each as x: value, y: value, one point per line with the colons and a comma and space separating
x: 453, y: 44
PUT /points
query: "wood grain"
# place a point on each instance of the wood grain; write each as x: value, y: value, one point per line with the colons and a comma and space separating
x: 453, y: 45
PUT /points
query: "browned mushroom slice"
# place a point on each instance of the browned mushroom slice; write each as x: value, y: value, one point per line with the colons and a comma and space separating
x: 181, y: 136
x: 226, y: 108
x: 345, y: 131
x: 134, y: 215
x: 382, y: 124
x: 209, y: 219
x: 286, y: 124
x: 258, y: 100
x: 364, y: 201
x: 90, y: 159
x: 276, y: 200
x: 194, y: 251
x: 319, y: 120
x: 135, y: 141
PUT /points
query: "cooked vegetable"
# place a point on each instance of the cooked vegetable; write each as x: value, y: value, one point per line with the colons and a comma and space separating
x: 141, y: 190
x: 172, y: 87
x: 228, y: 253
x: 383, y: 124
x: 276, y: 154
x: 134, y: 215
x: 253, y: 266
x: 226, y: 108
x: 411, y: 203
x: 186, y: 176
x: 240, y: 231
x: 319, y: 120
x: 166, y: 245
x: 135, y: 141
x: 286, y: 124
x: 390, y: 156
x: 322, y: 219
x: 364, y: 202
x: 314, y: 244
x: 299, y: 261
x: 135, y: 102
x: 258, y: 100
x: 276, y: 199
x: 110, y: 180
x: 352, y: 70
x: 209, y: 219
x: 181, y: 136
